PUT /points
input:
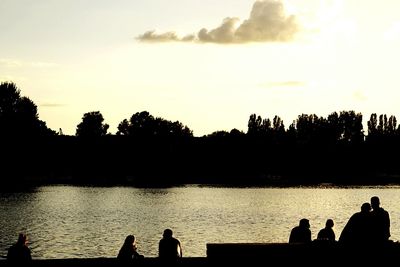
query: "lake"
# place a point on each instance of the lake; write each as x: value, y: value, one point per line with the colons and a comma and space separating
x: 81, y: 222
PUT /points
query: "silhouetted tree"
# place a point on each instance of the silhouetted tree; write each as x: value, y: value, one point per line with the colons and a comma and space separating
x: 254, y: 125
x: 392, y: 125
x: 309, y: 128
x: 218, y: 134
x: 223, y: 134
x: 258, y: 127
x: 382, y: 124
x: 19, y: 115
x: 236, y: 133
x: 333, y: 130
x: 92, y: 125
x: 123, y: 127
x: 277, y: 125
x: 143, y: 124
x: 372, y: 126
x: 351, y: 124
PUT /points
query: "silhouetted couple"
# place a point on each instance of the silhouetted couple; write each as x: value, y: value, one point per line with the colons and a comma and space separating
x: 367, y: 227
x: 169, y: 249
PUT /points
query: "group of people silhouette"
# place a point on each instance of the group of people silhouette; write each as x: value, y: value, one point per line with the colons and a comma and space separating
x: 370, y: 226
x: 169, y: 249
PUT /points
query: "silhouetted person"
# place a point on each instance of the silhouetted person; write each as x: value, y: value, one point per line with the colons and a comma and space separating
x: 358, y: 228
x: 380, y: 231
x: 128, y: 250
x: 20, y: 252
x: 169, y: 247
x: 301, y: 233
x: 327, y: 233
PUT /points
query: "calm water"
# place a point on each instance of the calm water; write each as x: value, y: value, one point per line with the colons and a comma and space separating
x: 79, y: 222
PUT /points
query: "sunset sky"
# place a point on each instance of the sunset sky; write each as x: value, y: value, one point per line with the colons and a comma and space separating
x: 207, y: 63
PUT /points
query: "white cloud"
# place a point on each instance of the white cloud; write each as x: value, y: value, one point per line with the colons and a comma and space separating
x: 284, y: 84
x: 267, y: 23
x: 51, y: 105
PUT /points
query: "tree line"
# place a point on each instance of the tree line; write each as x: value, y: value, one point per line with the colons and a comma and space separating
x: 148, y: 150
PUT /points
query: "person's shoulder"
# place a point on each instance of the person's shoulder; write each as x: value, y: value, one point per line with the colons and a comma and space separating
x: 382, y: 210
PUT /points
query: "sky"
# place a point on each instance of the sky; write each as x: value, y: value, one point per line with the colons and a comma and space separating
x: 208, y: 63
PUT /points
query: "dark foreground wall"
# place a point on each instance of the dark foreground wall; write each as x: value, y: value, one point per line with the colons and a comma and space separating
x: 317, y: 253
x: 256, y: 254
x: 108, y: 262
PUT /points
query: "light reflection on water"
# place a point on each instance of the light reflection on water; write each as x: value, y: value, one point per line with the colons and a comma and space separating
x: 80, y: 222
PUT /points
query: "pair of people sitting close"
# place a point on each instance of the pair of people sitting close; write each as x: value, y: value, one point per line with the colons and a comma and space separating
x: 169, y: 248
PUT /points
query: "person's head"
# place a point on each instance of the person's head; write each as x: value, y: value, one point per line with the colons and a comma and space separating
x: 22, y: 239
x: 167, y: 233
x: 304, y: 223
x: 375, y: 202
x: 129, y: 240
x: 329, y: 223
x: 365, y: 207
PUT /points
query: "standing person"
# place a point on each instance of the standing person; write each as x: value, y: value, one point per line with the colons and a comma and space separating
x: 128, y: 250
x: 169, y: 247
x: 301, y: 233
x: 20, y: 252
x: 380, y: 231
x: 327, y: 233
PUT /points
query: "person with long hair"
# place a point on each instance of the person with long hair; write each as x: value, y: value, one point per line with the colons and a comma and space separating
x: 128, y: 250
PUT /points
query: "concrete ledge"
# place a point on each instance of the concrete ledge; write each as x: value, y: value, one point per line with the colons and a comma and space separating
x: 312, y: 254
x: 253, y: 254
x: 107, y: 262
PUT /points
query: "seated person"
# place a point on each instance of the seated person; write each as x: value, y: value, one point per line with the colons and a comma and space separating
x: 128, y: 250
x: 20, y: 252
x: 301, y: 233
x: 327, y: 233
x: 169, y: 247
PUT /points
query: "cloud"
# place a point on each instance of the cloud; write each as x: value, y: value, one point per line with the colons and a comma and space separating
x: 284, y: 84
x: 359, y: 96
x: 226, y: 33
x: 5, y: 62
x: 51, y: 105
x: 267, y: 23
